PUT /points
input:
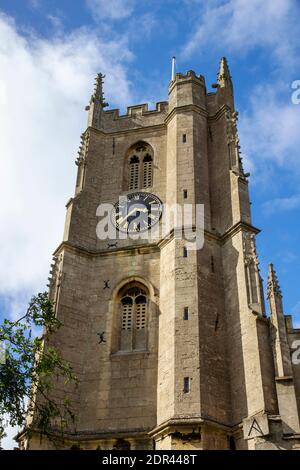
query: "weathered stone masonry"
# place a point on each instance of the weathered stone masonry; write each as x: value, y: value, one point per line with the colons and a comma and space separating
x: 219, y: 377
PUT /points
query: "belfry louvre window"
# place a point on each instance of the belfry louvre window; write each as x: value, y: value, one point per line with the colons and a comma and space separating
x: 147, y: 171
x: 140, y: 318
x: 134, y: 172
x: 140, y: 166
x: 127, y: 313
x: 134, y: 306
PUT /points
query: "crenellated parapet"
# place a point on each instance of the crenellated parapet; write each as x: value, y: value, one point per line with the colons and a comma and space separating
x: 190, y: 74
x: 186, y: 89
x: 136, y: 116
x: 143, y: 109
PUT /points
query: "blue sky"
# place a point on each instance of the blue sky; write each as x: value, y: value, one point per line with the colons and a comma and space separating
x: 50, y: 51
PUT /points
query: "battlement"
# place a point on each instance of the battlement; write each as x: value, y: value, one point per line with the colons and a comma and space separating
x: 187, y: 77
x: 185, y: 89
x: 189, y: 74
x: 138, y: 109
x: 137, y: 116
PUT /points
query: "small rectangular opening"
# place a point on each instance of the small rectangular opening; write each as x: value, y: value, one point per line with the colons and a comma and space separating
x: 184, y: 138
x: 186, y: 313
x: 185, y: 252
x: 186, y: 384
x: 185, y: 194
x: 212, y: 264
x: 113, y: 146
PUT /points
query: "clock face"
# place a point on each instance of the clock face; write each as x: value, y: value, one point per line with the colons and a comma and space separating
x: 137, y: 212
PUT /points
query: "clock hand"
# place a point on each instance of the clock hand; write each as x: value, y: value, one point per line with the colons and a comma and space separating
x: 122, y: 219
x: 135, y: 209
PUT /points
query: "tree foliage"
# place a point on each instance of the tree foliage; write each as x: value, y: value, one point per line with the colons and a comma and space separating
x: 28, y: 369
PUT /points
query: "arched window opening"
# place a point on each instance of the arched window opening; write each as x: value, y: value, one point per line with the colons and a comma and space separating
x: 147, y: 171
x: 140, y: 166
x: 133, y: 322
x: 134, y: 172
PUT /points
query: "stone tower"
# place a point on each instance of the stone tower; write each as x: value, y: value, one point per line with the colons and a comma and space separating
x: 172, y: 346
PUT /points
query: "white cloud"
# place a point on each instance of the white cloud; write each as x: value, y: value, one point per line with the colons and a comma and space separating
x: 269, y: 130
x: 282, y: 204
x: 111, y: 9
x: 56, y: 22
x: 47, y: 84
x: 146, y: 23
x: 240, y: 25
x: 3, y: 93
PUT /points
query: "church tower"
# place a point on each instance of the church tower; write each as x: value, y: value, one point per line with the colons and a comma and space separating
x: 171, y: 345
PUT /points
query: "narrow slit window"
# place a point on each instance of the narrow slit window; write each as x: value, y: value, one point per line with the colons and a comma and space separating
x: 185, y: 252
x: 186, y: 384
x: 212, y: 264
x: 185, y: 194
x: 184, y: 138
x: 186, y: 313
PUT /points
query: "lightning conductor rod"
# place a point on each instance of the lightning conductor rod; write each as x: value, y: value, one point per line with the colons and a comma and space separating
x: 173, y: 67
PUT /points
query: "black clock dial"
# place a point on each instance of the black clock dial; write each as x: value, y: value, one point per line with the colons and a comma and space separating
x: 137, y: 212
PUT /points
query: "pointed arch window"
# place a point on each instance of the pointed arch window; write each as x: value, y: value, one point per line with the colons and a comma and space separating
x: 140, y: 171
x: 134, y: 312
